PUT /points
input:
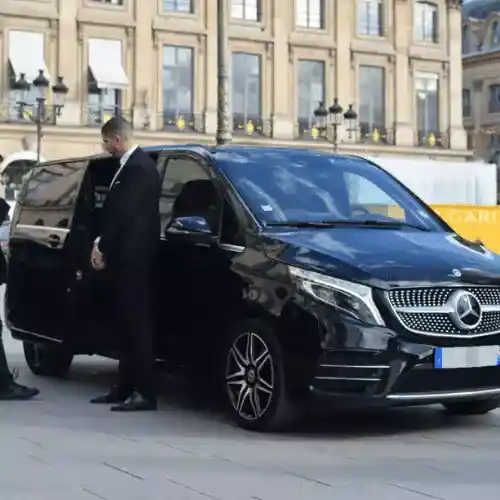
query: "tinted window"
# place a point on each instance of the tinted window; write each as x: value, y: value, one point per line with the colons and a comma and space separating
x: 300, y: 186
x: 179, y: 171
x: 50, y: 195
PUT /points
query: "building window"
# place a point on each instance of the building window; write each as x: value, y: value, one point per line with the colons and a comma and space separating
x: 247, y: 92
x: 427, y: 97
x: 426, y: 21
x: 372, y: 103
x: 177, y: 84
x: 466, y: 104
x: 247, y: 10
x: 311, y: 91
x: 370, y: 17
x: 183, y: 6
x: 102, y: 104
x: 465, y: 40
x: 494, y: 104
x: 495, y: 34
x: 310, y: 13
x: 108, y: 2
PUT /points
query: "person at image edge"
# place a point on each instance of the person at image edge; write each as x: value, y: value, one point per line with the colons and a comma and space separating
x: 9, y: 388
x: 126, y: 250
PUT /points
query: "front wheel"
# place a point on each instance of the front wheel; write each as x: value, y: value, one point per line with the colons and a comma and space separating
x: 478, y: 407
x: 49, y: 360
x: 256, y: 383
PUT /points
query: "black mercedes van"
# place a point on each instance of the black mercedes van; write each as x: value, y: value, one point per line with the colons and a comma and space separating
x: 288, y: 275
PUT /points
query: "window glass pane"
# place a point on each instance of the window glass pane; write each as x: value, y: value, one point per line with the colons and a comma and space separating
x: 177, y: 79
x: 246, y: 73
x: 427, y: 96
x: 245, y: 9
x: 51, y: 195
x: 372, y: 97
x: 425, y: 21
x: 301, y: 187
x: 309, y: 13
x: 370, y: 17
x: 311, y: 87
x: 178, y: 5
x: 178, y: 173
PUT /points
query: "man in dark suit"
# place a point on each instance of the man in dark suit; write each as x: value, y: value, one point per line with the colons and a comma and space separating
x: 126, y: 250
x: 9, y: 389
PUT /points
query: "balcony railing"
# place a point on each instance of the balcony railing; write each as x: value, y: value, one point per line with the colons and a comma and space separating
x: 376, y: 134
x: 431, y: 139
x: 175, y: 121
x: 11, y: 113
x: 96, y: 117
x: 306, y: 131
x: 251, y: 126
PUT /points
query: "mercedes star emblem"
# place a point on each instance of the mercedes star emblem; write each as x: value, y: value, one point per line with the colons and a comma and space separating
x: 467, y: 313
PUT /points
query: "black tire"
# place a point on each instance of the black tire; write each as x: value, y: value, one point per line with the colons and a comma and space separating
x: 268, y: 404
x: 47, y: 360
x: 477, y: 407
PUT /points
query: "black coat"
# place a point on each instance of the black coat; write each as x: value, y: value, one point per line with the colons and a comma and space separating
x: 4, y: 211
x: 131, y: 217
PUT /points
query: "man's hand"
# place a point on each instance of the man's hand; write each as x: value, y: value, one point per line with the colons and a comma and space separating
x: 97, y: 259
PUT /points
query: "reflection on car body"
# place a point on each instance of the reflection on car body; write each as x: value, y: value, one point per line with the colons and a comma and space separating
x: 285, y: 275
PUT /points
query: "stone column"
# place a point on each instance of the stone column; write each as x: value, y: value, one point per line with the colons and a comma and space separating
x: 343, y: 64
x: 457, y: 137
x: 405, y: 133
x: 69, y: 64
x: 282, y: 114
x: 145, y: 76
x: 210, y: 69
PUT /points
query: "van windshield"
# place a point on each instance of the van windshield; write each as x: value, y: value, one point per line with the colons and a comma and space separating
x: 303, y: 188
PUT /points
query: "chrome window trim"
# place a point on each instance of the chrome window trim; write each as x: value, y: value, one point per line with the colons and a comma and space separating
x: 49, y: 229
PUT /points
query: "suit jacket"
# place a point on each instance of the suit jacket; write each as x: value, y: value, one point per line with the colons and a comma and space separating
x: 131, y: 217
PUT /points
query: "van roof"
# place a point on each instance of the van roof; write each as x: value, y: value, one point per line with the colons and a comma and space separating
x: 209, y: 150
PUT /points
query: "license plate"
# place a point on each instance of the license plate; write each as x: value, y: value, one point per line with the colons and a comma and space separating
x: 467, y: 357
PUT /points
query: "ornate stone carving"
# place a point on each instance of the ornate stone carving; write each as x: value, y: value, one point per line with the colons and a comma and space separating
x: 478, y: 85
x: 454, y: 4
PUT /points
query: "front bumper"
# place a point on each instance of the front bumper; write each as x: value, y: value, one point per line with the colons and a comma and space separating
x: 375, y: 366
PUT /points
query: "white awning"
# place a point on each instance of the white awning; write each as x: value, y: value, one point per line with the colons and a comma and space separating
x: 105, y: 63
x: 26, y: 54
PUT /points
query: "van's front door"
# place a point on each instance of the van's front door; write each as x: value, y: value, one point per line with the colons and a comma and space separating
x: 39, y: 300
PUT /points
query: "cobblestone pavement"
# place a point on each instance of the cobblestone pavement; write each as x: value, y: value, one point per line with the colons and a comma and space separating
x: 59, y: 447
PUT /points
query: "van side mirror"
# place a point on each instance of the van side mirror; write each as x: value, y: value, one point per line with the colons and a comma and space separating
x: 195, y: 227
x: 192, y: 224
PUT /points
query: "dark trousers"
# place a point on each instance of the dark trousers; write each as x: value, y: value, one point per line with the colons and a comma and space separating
x: 133, y: 325
x: 5, y: 375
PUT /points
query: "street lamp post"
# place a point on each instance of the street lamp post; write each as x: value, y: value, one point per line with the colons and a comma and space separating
x: 41, y: 83
x: 333, y: 117
x: 224, y: 134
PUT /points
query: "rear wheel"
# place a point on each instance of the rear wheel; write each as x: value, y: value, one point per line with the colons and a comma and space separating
x: 479, y: 407
x: 49, y: 360
x: 257, y: 388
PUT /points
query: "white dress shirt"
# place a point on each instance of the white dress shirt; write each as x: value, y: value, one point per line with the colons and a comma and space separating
x: 123, y: 161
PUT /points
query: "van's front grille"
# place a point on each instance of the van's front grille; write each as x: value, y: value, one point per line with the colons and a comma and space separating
x: 437, y: 311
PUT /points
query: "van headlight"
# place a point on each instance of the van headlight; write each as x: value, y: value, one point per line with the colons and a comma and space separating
x: 352, y: 299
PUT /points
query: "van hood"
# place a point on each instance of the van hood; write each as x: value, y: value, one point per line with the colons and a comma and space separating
x: 384, y: 258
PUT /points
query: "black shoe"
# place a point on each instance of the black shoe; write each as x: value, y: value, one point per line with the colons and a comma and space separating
x: 115, y: 395
x: 136, y: 402
x: 17, y: 392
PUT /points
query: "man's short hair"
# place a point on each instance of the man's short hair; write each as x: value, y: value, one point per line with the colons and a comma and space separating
x: 117, y: 126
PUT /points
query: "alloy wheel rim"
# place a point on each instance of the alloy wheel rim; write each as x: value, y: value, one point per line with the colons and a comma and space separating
x: 250, y: 376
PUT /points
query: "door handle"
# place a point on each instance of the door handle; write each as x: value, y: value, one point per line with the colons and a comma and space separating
x: 54, y: 240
